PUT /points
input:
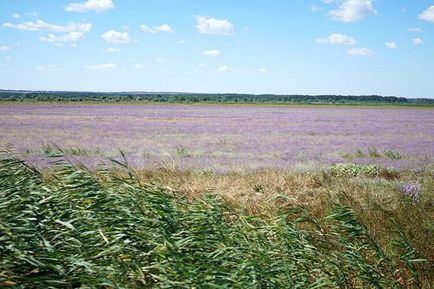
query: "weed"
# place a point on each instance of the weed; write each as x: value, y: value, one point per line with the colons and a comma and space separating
x: 392, y: 154
x: 181, y: 151
x: 373, y: 152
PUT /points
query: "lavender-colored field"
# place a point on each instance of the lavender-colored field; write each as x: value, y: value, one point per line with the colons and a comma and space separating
x: 222, y: 137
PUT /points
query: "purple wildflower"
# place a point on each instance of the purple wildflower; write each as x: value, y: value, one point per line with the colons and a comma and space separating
x: 412, y: 190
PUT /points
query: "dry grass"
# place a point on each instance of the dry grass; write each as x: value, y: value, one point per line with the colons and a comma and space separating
x: 265, y: 192
x: 257, y: 190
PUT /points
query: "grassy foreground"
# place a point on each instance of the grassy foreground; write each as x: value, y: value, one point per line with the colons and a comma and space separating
x: 114, y: 228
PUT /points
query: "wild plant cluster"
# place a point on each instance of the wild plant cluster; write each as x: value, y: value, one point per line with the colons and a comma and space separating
x: 75, y: 228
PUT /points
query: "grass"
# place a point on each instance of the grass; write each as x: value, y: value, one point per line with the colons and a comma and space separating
x: 373, y: 152
x: 69, y: 227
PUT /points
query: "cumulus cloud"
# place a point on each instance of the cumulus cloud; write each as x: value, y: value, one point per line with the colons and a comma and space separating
x: 225, y: 68
x: 155, y: 29
x: 359, y: 52
x: 391, y: 45
x: 116, y: 37
x: 72, y: 31
x: 68, y: 37
x: 208, y: 25
x: 337, y: 38
x: 90, y: 5
x: 101, y: 67
x: 5, y: 48
x: 428, y: 14
x: 352, y: 10
x: 418, y: 41
x: 263, y: 70
x: 212, y: 52
x: 41, y: 25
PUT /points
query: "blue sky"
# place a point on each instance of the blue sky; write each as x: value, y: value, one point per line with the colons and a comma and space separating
x: 248, y: 46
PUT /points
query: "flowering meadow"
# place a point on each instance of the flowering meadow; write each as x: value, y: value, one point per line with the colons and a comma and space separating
x: 215, y: 196
x: 221, y: 138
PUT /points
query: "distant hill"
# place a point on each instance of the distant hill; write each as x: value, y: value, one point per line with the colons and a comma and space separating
x: 185, y: 97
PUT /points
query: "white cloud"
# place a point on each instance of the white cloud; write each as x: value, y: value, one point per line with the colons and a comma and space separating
x: 391, y: 45
x: 90, y: 5
x: 155, y: 29
x: 359, y: 52
x: 418, y: 41
x: 428, y: 14
x: 414, y: 29
x: 49, y: 67
x: 164, y: 28
x: 337, y: 38
x: 212, y: 52
x: 147, y: 29
x: 27, y: 14
x: 352, y: 10
x: 68, y: 37
x: 101, y: 67
x: 181, y: 41
x: 8, y: 58
x: 225, y: 68
x: 208, y: 25
x: 5, y: 48
x: 140, y: 66
x: 116, y: 37
x: 73, y: 31
x: 111, y: 49
x: 263, y: 70
x: 40, y: 25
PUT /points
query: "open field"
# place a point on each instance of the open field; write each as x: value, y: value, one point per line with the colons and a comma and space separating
x: 216, y: 196
x: 222, y: 137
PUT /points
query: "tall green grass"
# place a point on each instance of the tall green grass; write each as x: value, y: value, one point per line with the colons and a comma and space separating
x: 74, y: 228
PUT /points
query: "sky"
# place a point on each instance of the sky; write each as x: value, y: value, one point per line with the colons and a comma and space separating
x: 357, y: 47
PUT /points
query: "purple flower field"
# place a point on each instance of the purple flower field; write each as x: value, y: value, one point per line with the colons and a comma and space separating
x: 222, y: 137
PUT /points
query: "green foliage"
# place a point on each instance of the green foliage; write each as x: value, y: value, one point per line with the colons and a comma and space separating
x: 81, y: 229
x: 392, y: 154
x: 354, y: 170
x: 373, y: 152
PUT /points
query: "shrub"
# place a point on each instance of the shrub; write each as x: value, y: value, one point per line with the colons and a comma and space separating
x: 354, y: 170
x: 392, y: 154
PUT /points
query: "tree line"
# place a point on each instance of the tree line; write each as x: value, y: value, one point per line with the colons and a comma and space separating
x: 207, y: 97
